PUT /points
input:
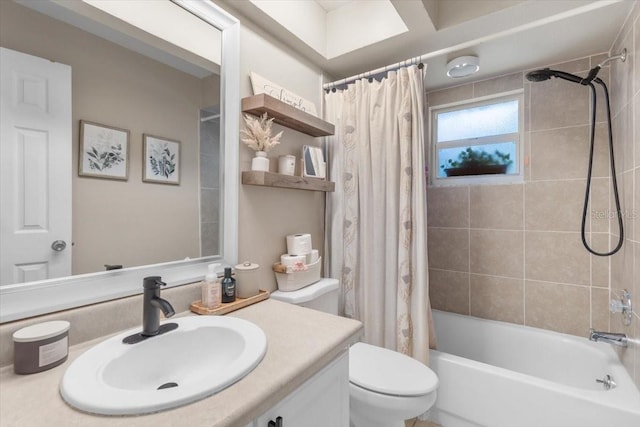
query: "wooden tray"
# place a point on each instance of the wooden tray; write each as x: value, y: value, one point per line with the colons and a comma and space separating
x: 228, y: 307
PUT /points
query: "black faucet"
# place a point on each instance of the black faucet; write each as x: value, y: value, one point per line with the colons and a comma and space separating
x: 152, y: 303
x: 151, y: 306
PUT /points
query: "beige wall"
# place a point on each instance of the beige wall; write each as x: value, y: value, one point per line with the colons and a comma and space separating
x: 267, y: 215
x: 625, y: 106
x: 117, y: 222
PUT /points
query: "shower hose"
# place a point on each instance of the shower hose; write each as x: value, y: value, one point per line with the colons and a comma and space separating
x: 590, y: 170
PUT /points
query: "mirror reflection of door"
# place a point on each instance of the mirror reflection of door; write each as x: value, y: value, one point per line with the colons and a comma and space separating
x: 35, y: 159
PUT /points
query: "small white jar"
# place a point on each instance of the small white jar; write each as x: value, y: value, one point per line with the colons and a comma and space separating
x: 287, y: 165
x: 247, y: 284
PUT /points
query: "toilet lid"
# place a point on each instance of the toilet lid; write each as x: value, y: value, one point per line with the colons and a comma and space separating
x: 389, y: 372
x: 308, y: 293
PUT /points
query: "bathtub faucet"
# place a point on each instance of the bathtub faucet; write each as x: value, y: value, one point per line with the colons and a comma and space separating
x: 609, y: 337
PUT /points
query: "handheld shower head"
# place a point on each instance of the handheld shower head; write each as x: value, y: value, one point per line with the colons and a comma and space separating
x: 546, y: 74
x: 539, y: 75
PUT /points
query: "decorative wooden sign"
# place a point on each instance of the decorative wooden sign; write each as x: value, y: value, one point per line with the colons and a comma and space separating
x: 262, y: 85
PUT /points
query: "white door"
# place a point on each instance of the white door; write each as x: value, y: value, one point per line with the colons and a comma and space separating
x: 35, y: 168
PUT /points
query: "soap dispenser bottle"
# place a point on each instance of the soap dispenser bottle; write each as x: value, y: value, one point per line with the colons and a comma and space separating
x: 228, y: 286
x: 211, y: 288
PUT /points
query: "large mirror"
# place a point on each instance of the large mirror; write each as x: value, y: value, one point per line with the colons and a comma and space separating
x: 146, y: 184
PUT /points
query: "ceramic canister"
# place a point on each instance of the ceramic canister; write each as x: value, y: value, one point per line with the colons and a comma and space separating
x: 287, y: 165
x: 39, y: 347
x: 247, y: 284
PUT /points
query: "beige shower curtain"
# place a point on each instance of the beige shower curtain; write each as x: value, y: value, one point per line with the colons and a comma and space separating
x: 376, y: 218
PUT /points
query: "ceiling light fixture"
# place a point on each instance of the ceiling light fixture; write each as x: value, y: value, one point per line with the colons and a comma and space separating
x: 463, y: 66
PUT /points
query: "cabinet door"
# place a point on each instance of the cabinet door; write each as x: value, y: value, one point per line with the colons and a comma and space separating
x: 322, y: 401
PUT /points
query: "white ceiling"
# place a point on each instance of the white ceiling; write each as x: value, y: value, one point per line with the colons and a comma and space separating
x: 507, y: 35
x: 329, y: 5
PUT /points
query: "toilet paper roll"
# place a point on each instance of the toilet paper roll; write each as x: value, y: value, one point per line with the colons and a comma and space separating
x: 291, y: 260
x: 299, y: 244
x: 313, y: 256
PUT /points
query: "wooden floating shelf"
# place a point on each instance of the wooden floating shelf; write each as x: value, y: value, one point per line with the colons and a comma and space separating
x: 270, y: 179
x: 286, y: 115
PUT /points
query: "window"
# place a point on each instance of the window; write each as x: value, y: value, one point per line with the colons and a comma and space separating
x: 477, y: 141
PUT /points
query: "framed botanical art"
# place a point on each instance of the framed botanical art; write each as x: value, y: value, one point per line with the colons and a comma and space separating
x: 104, y: 151
x: 161, y: 160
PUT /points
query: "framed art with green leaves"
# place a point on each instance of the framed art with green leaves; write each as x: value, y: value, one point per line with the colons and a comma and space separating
x: 161, y: 160
x: 104, y: 151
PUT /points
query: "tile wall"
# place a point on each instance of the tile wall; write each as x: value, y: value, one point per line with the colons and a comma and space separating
x: 209, y: 185
x: 514, y: 252
x: 625, y: 106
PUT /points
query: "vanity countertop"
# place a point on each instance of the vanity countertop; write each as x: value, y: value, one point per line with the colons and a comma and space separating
x: 300, y: 342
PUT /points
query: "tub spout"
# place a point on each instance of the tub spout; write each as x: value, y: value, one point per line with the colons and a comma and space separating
x: 608, y: 337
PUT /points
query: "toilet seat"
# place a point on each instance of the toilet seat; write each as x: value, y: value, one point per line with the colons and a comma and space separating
x: 384, y: 371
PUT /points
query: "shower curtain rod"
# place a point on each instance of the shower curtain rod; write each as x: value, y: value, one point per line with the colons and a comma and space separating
x: 415, y: 60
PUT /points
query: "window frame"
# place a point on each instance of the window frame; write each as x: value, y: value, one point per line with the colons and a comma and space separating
x: 517, y: 137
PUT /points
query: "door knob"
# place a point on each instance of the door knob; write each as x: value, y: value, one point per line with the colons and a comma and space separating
x: 58, y: 245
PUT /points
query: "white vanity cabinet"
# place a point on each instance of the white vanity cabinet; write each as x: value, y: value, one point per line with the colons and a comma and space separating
x: 322, y: 401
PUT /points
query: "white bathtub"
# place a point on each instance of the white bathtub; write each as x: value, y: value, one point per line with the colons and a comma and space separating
x: 496, y: 374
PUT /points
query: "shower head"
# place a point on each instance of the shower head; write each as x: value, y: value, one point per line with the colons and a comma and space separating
x: 539, y: 75
x: 546, y: 74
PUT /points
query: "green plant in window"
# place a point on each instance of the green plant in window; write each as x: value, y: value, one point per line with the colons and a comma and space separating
x: 474, y: 158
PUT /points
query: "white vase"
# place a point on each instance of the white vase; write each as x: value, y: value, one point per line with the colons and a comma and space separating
x: 260, y: 162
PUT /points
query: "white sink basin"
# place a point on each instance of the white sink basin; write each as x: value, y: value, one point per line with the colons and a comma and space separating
x: 202, y: 356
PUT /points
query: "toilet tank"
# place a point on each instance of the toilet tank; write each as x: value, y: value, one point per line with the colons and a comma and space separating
x: 322, y: 296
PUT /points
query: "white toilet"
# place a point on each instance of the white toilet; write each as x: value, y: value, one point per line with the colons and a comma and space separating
x: 385, y: 387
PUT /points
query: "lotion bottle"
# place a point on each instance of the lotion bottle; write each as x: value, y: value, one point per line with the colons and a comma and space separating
x: 228, y: 286
x: 211, y: 288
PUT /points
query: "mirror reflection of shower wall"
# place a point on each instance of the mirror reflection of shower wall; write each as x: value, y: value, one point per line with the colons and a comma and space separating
x: 129, y: 222
x: 209, y: 180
